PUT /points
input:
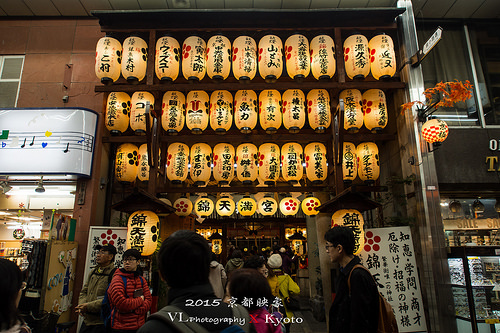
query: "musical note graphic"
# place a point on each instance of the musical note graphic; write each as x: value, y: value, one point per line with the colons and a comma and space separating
x: 68, y: 140
x: 67, y: 148
x: 82, y: 140
x: 4, y: 135
x: 33, y: 141
x: 24, y: 144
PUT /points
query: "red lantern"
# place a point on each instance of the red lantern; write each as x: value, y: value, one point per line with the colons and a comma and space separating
x: 218, y: 57
x: 244, y: 58
x: 168, y: 58
x: 270, y: 58
x: 294, y: 110
x: 435, y: 131
x: 297, y: 56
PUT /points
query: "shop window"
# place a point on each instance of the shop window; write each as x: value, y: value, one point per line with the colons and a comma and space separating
x: 466, y: 208
x: 11, y: 68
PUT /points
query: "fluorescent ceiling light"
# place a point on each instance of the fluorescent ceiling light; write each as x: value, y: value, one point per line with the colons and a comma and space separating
x: 50, y: 190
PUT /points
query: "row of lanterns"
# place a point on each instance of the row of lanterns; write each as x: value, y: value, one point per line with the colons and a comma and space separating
x: 362, y: 161
x: 217, y: 57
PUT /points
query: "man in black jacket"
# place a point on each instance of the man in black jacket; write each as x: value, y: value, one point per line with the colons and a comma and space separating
x: 355, y: 311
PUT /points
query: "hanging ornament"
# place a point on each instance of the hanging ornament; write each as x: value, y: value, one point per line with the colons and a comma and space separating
x: 183, y: 206
x: 294, y: 110
x: 289, y: 206
x: 138, y: 111
x: 197, y: 106
x: 173, y: 112
x: 126, y: 162
x: 167, y: 59
x: 194, y: 58
x: 225, y: 206
x: 117, y: 112
x: 291, y: 158
x: 204, y: 206
x: 368, y: 162
x: 322, y: 50
x: 143, y: 170
x: 218, y: 57
x: 356, y: 57
x: 382, y: 57
x: 270, y: 110
x: 374, y: 110
x: 316, y: 163
x: 435, y: 131
x: 297, y: 56
x: 143, y: 231
x: 270, y: 58
x: 221, y: 111
x: 135, y: 59
x: 269, y: 163
x: 267, y: 206
x: 177, y: 162
x: 318, y: 112
x: 244, y: 58
x: 201, y: 163
x: 108, y: 60
x: 309, y: 205
x: 349, y: 162
x: 245, y: 110
x: 246, y: 163
x: 247, y: 206
x: 223, y: 163
x: 353, y: 110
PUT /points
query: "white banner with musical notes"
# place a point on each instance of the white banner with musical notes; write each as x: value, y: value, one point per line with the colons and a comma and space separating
x: 47, y: 141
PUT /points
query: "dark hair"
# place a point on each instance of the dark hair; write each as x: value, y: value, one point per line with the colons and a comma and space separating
x: 110, y: 248
x: 249, y: 283
x: 184, y: 259
x: 341, y: 235
x: 132, y: 253
x: 237, y: 254
x: 254, y: 262
x: 12, y: 279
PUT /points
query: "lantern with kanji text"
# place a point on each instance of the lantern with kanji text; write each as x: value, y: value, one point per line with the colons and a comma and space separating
x: 204, y: 206
x: 194, y: 58
x: 270, y: 110
x: 353, y: 110
x: 177, y: 162
x: 221, y: 111
x: 143, y: 231
x: 289, y: 206
x: 270, y: 58
x: 318, y: 110
x: 244, y: 58
x: 225, y: 206
x: 197, y: 114
x: 356, y: 57
x: 126, y: 162
x: 223, y: 157
x: 245, y: 110
x: 246, y: 163
x: 218, y: 57
x: 368, y: 162
x: 294, y: 110
x: 267, y: 206
x: 349, y: 162
x: 138, y: 110
x: 291, y: 159
x: 201, y: 163
x: 322, y: 50
x: 173, y: 112
x: 135, y: 59
x: 298, y: 59
x: 382, y: 57
x: 269, y: 163
x: 435, y: 131
x: 309, y: 205
x: 117, y: 112
x: 354, y: 220
x: 183, y: 206
x: 168, y: 58
x: 247, y: 206
x: 316, y: 163
x: 108, y: 58
x: 143, y: 169
x: 374, y: 110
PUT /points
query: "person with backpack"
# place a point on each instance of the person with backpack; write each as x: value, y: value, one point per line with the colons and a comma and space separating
x: 217, y: 277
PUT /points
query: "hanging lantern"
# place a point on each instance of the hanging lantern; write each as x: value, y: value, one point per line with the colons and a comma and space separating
x: 382, y: 57
x: 218, y: 57
x: 291, y: 158
x: 374, y: 110
x: 322, y: 57
x: 225, y: 206
x: 318, y: 112
x: 349, y: 162
x: 117, y: 112
x: 247, y: 206
x: 143, y: 231
x: 289, y: 206
x: 267, y: 206
x: 143, y: 170
x: 246, y: 163
x: 356, y: 57
x: 297, y: 56
x: 223, y: 163
x: 270, y: 58
x: 194, y: 58
x: 173, y: 112
x: 127, y: 162
x: 435, y: 131
x: 204, y: 206
x: 270, y: 110
x: 353, y: 111
x: 138, y: 110
x: 294, y: 110
x: 221, y: 111
x: 217, y: 246
x: 177, y: 162
x: 197, y: 106
x: 309, y: 205
x: 201, y: 163
x: 135, y: 59
x: 316, y: 166
x: 353, y: 219
x: 168, y: 57
x: 245, y: 110
x: 368, y: 162
x: 244, y: 58
x: 108, y: 58
x: 269, y: 163
x: 183, y: 206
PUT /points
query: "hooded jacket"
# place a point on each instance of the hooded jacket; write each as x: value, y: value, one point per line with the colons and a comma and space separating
x: 217, y: 278
x: 233, y: 264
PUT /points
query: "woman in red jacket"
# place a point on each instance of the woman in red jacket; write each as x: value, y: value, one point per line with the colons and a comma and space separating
x: 129, y: 295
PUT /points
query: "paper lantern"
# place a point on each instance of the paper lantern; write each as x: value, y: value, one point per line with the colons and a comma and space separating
x: 435, y: 131
x: 201, y: 163
x: 291, y: 159
x: 177, y: 162
x: 382, y: 57
x: 247, y: 206
x: 270, y: 110
x: 197, y: 106
x: 353, y: 219
x: 353, y: 110
x: 270, y: 58
x: 298, y: 59
x: 143, y: 231
x: 117, y: 112
x: 173, y: 112
x: 218, y: 57
x: 108, y: 58
x: 223, y: 163
x: 246, y: 163
x: 221, y: 111
x: 322, y: 50
x: 267, y: 206
x: 217, y: 246
x: 194, y: 58
x: 168, y: 58
x: 244, y: 58
x: 318, y: 111
x: 135, y: 59
x: 368, y: 162
x: 204, y: 206
x: 294, y: 110
x: 349, y: 162
x: 289, y: 206
x: 356, y: 57
x: 269, y: 163
x: 126, y: 162
x: 309, y: 205
x: 138, y: 110
x: 183, y: 206
x: 245, y: 110
x: 316, y: 166
x: 374, y: 110
x: 225, y: 206
x: 143, y: 169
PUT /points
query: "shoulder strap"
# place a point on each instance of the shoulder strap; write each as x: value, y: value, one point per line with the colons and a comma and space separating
x: 110, y: 275
x: 349, y: 278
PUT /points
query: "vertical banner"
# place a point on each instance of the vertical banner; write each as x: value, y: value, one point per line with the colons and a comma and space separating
x: 388, y: 254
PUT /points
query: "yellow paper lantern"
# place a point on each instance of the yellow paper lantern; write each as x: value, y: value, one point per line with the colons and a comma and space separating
x: 204, y: 206
x: 356, y: 57
x: 201, y: 163
x: 294, y: 110
x: 291, y: 158
x: 316, y: 163
x: 221, y: 111
x: 225, y: 206
x: 382, y: 57
x: 217, y: 246
x: 246, y: 163
x: 269, y: 163
x: 183, y: 206
x: 168, y: 58
x: 289, y: 206
x: 135, y: 59
x: 435, y: 131
x: 270, y: 110
x: 244, y: 58
x: 197, y: 106
x: 368, y: 162
x: 173, y: 112
x: 353, y: 110
x: 223, y: 163
x: 108, y: 59
x: 218, y: 57
x: 267, y: 206
x: 270, y: 57
x: 247, y: 206
x: 310, y: 205
x: 298, y: 59
x: 138, y: 110
x: 353, y: 219
x: 194, y: 58
x: 245, y: 110
x: 322, y: 50
x: 177, y: 162
x: 143, y: 231
x: 318, y: 111
x: 117, y: 112
x: 126, y: 162
x: 374, y: 110
x: 349, y: 162
x: 143, y: 170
